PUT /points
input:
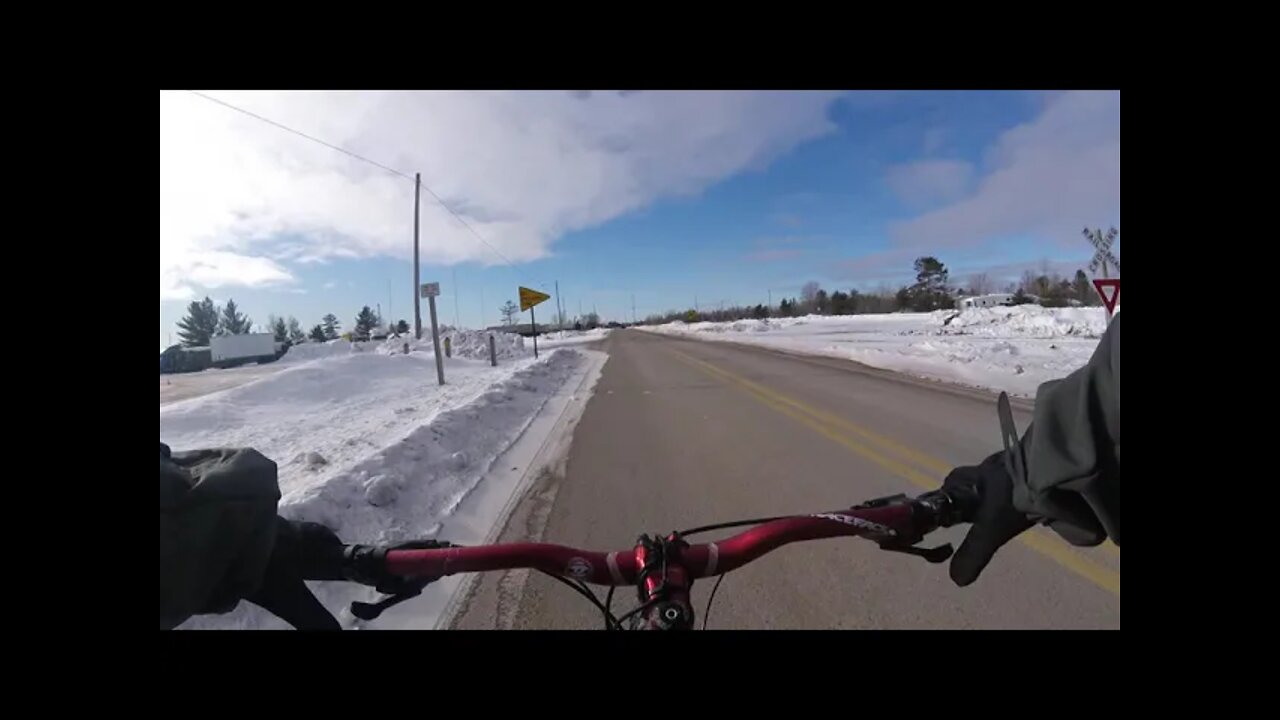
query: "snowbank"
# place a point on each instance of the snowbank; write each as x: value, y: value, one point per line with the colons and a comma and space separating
x: 572, y: 337
x: 468, y: 344
x: 1014, y: 349
x: 367, y: 447
x: 475, y: 344
x: 1027, y: 321
x: 308, y: 351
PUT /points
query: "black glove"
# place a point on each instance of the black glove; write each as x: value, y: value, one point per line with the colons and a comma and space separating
x: 995, y: 522
x: 303, y: 551
x: 367, y: 565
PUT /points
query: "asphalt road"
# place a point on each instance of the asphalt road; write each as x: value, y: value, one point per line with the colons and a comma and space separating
x: 682, y: 433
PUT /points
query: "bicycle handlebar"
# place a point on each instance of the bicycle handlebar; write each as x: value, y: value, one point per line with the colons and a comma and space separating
x: 892, y: 524
x: 663, y: 569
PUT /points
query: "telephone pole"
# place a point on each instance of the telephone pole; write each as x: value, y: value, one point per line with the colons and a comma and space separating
x: 417, y: 301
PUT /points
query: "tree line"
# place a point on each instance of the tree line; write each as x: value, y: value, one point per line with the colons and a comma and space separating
x: 932, y: 290
x: 206, y: 320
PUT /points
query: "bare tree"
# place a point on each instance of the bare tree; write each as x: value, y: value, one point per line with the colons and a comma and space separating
x: 809, y: 291
x: 1028, y: 284
x: 981, y: 284
x: 509, y: 312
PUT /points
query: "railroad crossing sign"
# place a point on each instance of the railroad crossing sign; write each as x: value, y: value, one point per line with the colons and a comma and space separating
x: 529, y: 298
x: 1102, y: 256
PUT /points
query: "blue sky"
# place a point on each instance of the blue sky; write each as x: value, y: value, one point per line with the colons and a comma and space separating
x: 720, y: 197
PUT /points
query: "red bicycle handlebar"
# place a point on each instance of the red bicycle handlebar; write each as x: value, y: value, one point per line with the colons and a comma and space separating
x: 884, y: 524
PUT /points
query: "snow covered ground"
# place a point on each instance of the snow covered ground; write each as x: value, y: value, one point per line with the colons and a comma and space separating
x: 571, y: 337
x: 1007, y: 348
x: 367, y: 442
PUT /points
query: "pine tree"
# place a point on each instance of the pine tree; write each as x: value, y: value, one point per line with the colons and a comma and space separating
x: 318, y: 334
x: 295, y: 331
x: 200, y: 324
x: 233, y: 321
x: 279, y: 328
x: 930, y: 290
x: 365, y: 322
x: 331, y: 326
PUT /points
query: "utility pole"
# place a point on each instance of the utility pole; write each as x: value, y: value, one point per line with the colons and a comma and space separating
x: 417, y: 301
x: 559, y: 310
x: 633, y: 308
x: 455, y: 297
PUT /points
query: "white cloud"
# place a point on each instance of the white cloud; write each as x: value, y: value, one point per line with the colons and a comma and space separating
x: 929, y: 182
x: 522, y: 167
x: 213, y: 269
x: 1047, y: 178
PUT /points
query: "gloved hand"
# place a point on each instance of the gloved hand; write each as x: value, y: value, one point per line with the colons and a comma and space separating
x: 367, y: 565
x: 302, y: 551
x: 995, y: 522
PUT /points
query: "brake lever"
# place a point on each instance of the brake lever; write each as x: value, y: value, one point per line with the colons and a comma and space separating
x: 932, y: 555
x: 369, y: 611
x: 365, y: 565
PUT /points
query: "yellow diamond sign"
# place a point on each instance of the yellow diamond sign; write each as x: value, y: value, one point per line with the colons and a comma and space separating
x: 529, y: 298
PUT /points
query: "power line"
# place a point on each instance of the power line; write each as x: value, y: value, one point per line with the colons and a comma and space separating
x: 299, y: 133
x: 362, y: 158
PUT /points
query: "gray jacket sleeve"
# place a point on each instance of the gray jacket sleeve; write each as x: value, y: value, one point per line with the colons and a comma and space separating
x: 217, y: 529
x: 1071, y: 452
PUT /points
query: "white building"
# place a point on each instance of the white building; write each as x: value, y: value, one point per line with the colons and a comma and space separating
x: 979, y: 301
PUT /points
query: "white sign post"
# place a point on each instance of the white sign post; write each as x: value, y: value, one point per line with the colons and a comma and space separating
x: 430, y: 291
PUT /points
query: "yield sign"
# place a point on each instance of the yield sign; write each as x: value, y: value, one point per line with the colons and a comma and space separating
x: 529, y: 298
x: 1103, y: 285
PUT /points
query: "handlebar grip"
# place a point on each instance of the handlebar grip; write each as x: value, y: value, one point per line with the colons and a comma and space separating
x: 947, y: 506
x: 964, y: 503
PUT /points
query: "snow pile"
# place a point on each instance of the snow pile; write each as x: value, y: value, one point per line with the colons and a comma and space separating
x: 1014, y: 349
x: 572, y: 337
x: 475, y: 344
x: 308, y: 351
x: 734, y: 326
x: 368, y: 448
x: 1028, y: 321
x: 467, y: 344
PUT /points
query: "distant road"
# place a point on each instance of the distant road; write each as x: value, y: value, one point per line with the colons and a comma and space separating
x: 182, y: 386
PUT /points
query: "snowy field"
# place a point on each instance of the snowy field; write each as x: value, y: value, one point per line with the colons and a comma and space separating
x: 367, y: 442
x: 1013, y: 349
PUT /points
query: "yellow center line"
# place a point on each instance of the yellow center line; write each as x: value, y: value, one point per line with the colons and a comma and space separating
x: 920, y: 458
x: 821, y: 423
